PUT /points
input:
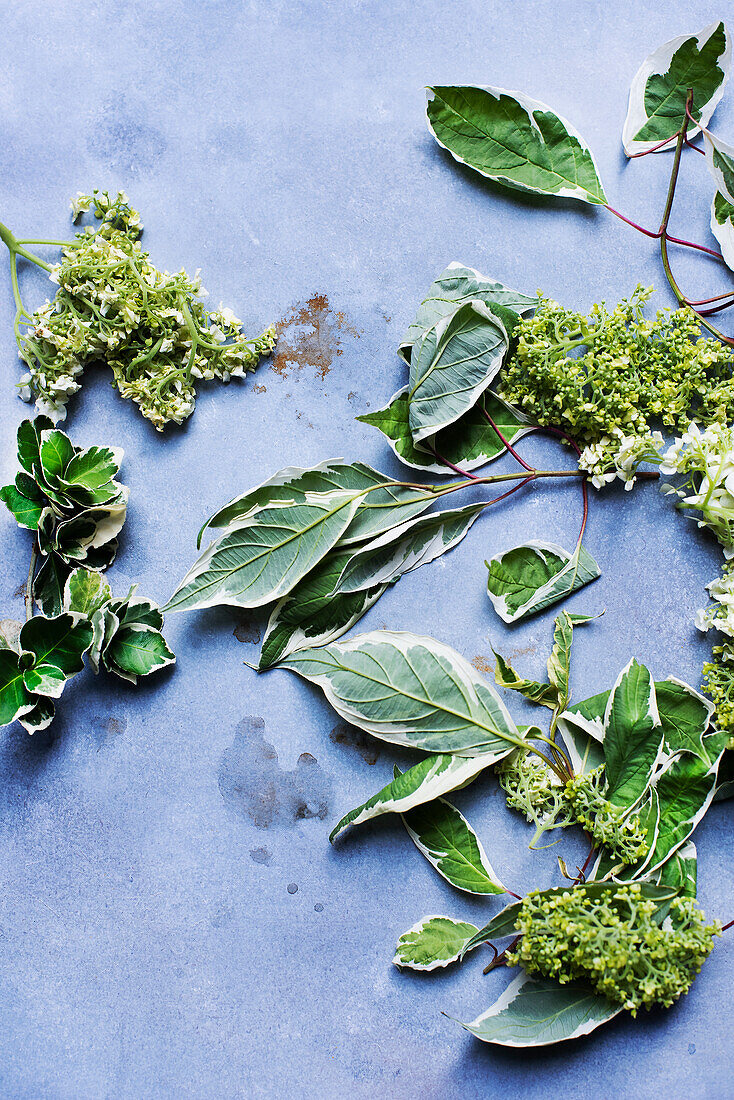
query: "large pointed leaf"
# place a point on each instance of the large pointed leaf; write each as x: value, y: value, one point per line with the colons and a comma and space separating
x: 407, y: 547
x: 535, y: 575
x: 444, y: 836
x: 469, y: 443
x: 425, y: 781
x: 633, y: 736
x: 559, y: 662
x: 385, y: 502
x: 451, y: 366
x: 312, y: 614
x: 453, y: 287
x: 536, y: 1012
x: 411, y: 690
x: 432, y: 942
x: 262, y: 557
x: 684, y: 715
x: 515, y: 141
x: 659, y: 90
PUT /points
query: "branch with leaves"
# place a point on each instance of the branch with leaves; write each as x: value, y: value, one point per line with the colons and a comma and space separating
x: 68, y: 498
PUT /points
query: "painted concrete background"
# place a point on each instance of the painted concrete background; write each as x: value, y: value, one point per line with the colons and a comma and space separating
x: 173, y: 921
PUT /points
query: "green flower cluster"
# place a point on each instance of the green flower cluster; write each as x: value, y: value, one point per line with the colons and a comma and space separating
x: 149, y: 326
x: 531, y: 787
x: 623, y: 836
x: 604, y: 378
x: 616, y: 942
x: 718, y: 682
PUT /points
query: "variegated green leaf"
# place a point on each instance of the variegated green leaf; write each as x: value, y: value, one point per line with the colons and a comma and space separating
x: 535, y: 575
x: 536, y: 1012
x: 722, y: 226
x: 515, y: 141
x: 433, y: 942
x: 469, y: 443
x: 633, y: 736
x: 86, y: 591
x: 413, y: 691
x: 453, y: 287
x: 444, y: 836
x: 659, y: 90
x: 263, y: 556
x: 424, y: 782
x: 452, y: 364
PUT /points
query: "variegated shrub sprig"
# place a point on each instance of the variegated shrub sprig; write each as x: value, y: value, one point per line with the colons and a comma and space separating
x: 68, y: 498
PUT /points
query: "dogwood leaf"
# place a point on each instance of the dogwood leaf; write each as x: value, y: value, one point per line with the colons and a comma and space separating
x: 633, y: 736
x: 536, y: 1012
x: 433, y: 942
x: 470, y: 442
x: 535, y: 575
x: 411, y: 690
x: 515, y: 141
x: 455, y: 286
x: 424, y: 782
x: 722, y: 226
x: 659, y: 90
x: 452, y: 363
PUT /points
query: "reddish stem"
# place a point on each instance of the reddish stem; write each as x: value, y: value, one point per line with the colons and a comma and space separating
x: 647, y: 232
x: 654, y: 149
x: 584, y: 869
x: 514, y: 489
x: 727, y: 926
x: 506, y: 442
x: 656, y: 236
x: 716, y: 309
x: 705, y: 301
x: 584, y: 485
x: 457, y: 469
x: 689, y: 244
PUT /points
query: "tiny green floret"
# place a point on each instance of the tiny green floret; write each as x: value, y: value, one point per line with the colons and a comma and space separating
x: 617, y: 943
x: 530, y: 787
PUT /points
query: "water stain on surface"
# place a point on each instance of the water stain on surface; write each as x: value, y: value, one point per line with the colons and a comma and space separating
x: 310, y: 335
x: 106, y: 726
x: 344, y: 734
x: 247, y: 630
x: 261, y: 855
x: 253, y: 783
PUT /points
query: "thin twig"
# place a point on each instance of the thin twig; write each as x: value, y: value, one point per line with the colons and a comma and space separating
x: 29, y: 585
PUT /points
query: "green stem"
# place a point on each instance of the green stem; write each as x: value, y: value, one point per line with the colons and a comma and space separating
x: 29, y: 584
x: 682, y: 300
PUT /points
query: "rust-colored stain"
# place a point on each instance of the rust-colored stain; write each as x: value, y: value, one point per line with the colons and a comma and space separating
x: 310, y: 335
x: 482, y: 663
x: 527, y: 652
x: 247, y: 630
x: 257, y: 388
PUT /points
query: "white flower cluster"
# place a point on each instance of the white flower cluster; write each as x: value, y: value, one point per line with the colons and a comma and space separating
x: 705, y: 459
x: 720, y: 616
x: 619, y: 456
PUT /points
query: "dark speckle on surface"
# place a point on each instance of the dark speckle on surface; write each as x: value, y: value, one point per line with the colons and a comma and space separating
x: 254, y: 785
x: 366, y: 746
x: 261, y: 855
x: 292, y: 887
x: 318, y: 907
x: 247, y: 631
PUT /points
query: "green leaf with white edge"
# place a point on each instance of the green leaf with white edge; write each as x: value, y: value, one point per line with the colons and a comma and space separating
x: 515, y: 141
x: 633, y: 736
x: 530, y: 577
x: 312, y: 614
x: 537, y: 1012
x: 452, y: 364
x: 384, y: 504
x: 56, y: 452
x: 502, y: 924
x: 685, y: 789
x: 411, y: 690
x: 722, y: 226
x: 29, y: 443
x: 424, y: 782
x: 48, y: 584
x: 45, y: 679
x: 680, y: 871
x: 40, y: 716
x: 262, y: 557
x: 588, y: 715
x: 86, y: 591
x: 470, y: 442
x: 24, y: 500
x: 685, y: 716
x: 545, y: 695
x: 443, y: 835
x: 94, y: 468
x: 453, y: 287
x: 105, y: 623
x: 659, y: 90
x: 136, y: 651
x: 432, y: 943
x: 559, y: 662
x: 15, y: 699
x: 406, y: 547
x: 585, y: 752
x: 60, y: 641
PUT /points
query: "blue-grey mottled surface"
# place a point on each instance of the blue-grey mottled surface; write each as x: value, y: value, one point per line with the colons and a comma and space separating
x: 173, y: 922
